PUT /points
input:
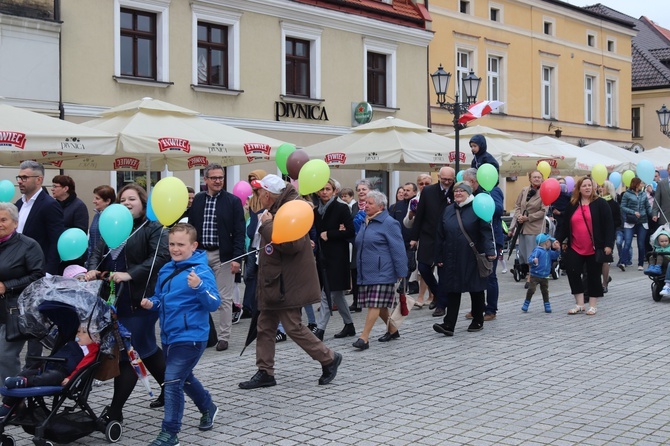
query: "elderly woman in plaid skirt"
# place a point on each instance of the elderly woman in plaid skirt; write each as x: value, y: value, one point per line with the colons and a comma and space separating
x: 381, y: 261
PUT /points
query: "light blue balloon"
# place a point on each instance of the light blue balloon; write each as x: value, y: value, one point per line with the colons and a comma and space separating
x: 645, y: 171
x: 484, y: 206
x: 72, y: 244
x: 654, y: 184
x: 115, y: 224
x: 151, y: 215
x: 6, y: 191
x: 459, y: 176
x: 615, y: 179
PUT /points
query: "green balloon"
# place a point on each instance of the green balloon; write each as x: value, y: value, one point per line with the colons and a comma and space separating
x: 313, y: 176
x: 487, y: 176
x: 282, y: 155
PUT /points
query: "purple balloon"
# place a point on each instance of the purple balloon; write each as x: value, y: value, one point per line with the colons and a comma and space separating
x: 570, y: 183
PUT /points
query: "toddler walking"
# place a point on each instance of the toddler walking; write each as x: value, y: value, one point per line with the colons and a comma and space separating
x: 547, y: 251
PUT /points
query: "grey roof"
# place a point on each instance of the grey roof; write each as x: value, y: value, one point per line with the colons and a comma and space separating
x: 650, y: 50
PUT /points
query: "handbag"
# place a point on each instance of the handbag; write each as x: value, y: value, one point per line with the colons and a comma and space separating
x: 411, y: 260
x: 631, y: 218
x: 13, y: 330
x: 403, y: 305
x: 600, y: 257
x: 484, y: 265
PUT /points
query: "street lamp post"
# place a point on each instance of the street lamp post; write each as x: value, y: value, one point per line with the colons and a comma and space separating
x: 663, y: 119
x: 471, y: 86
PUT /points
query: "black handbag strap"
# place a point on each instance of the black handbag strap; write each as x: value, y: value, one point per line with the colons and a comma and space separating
x: 593, y: 242
x: 467, y: 237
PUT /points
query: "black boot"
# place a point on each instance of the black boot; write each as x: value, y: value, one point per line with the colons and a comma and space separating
x: 348, y: 330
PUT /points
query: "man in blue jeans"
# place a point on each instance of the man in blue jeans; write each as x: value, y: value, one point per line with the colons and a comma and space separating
x: 186, y: 293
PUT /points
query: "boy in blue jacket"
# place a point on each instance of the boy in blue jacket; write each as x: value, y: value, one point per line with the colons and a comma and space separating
x: 547, y: 251
x: 186, y: 293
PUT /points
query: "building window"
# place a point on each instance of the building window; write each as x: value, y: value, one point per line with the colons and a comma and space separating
x: 124, y: 178
x: 636, y: 126
x: 463, y: 66
x: 493, y: 79
x: 609, y: 103
x: 548, y: 28
x: 464, y: 7
x: 610, y: 46
x: 495, y: 14
x: 297, y: 67
x: 212, y: 55
x: 138, y: 43
x: 377, y: 79
x: 591, y: 40
x: 589, y: 82
x: 547, y: 92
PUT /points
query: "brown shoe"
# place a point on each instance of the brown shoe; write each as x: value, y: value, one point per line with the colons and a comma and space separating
x: 468, y: 315
x: 221, y: 346
x: 489, y: 317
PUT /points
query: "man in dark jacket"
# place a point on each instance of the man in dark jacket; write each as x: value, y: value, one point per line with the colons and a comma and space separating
x: 75, y: 213
x: 290, y: 282
x: 479, y: 154
x: 218, y: 217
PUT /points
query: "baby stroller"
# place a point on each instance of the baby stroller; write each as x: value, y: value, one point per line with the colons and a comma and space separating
x: 52, y: 310
x: 520, y: 271
x: 657, y: 273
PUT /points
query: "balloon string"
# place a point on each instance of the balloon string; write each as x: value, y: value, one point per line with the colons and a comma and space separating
x: 153, y: 262
x: 244, y: 255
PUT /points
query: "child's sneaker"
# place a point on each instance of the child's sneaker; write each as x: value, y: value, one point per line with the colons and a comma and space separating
x: 16, y: 382
x: 207, y: 418
x: 653, y: 270
x: 4, y: 410
x: 547, y: 307
x: 165, y: 439
x: 525, y: 305
x: 666, y: 290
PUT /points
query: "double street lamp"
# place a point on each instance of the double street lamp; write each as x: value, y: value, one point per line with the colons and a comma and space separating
x: 470, y: 84
x: 663, y: 119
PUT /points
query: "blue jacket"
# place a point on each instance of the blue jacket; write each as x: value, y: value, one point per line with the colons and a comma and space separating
x: 544, y: 258
x: 380, y: 251
x: 499, y: 200
x: 632, y: 202
x: 184, y: 311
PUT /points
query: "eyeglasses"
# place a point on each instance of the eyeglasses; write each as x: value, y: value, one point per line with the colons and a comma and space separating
x: 215, y: 178
x: 25, y: 177
x: 448, y: 180
x: 55, y: 186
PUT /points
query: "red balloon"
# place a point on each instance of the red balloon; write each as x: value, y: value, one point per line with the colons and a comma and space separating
x: 295, y: 161
x: 550, y: 190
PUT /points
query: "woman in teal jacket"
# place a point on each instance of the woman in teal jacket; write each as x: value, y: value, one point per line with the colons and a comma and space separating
x: 635, y: 213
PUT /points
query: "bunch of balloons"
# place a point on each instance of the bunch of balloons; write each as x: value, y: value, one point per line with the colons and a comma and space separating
x: 483, y: 204
x: 311, y: 175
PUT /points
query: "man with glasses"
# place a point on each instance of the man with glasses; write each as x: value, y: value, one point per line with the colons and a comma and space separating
x: 432, y: 203
x: 218, y: 216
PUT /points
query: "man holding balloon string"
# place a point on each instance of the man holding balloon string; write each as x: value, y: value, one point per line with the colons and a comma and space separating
x: 218, y: 216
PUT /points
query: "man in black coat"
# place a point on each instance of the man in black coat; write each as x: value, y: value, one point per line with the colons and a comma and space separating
x: 434, y: 199
x: 218, y: 217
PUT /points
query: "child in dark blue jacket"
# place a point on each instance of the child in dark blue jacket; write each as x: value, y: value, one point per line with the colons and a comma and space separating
x: 185, y: 294
x: 540, y: 260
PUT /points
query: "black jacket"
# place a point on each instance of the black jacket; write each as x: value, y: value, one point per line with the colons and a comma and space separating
x: 21, y: 263
x: 601, y: 217
x: 75, y: 213
x: 432, y: 203
x: 230, y: 222
x: 45, y: 225
x: 333, y: 255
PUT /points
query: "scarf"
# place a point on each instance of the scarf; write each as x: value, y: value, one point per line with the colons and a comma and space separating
x: 324, y: 206
x: 7, y: 237
x: 361, y: 205
x: 369, y: 219
x: 466, y: 201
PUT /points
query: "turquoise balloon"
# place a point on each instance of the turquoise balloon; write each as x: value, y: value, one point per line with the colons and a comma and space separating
x: 6, y: 191
x: 645, y: 171
x: 487, y: 176
x: 151, y: 215
x: 615, y: 179
x: 484, y: 206
x: 115, y: 224
x: 72, y: 244
x: 459, y: 176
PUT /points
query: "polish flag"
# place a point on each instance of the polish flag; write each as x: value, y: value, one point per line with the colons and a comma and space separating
x: 479, y: 109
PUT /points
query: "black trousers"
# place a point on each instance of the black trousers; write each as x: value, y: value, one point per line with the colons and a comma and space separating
x: 454, y: 305
x: 575, y: 264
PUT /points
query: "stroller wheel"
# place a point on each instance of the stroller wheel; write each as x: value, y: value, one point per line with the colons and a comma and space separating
x: 7, y: 440
x: 655, y: 291
x: 113, y: 431
x: 515, y: 274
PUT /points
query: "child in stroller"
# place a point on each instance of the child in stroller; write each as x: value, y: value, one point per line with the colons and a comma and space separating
x: 658, y: 262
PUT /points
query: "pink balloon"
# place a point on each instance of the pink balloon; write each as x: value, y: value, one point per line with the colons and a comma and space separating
x: 242, y: 190
x: 570, y: 183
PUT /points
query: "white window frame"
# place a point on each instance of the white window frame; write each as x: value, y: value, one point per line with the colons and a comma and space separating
x: 216, y: 16
x: 591, y: 35
x: 390, y: 50
x: 612, y: 41
x: 313, y: 35
x: 548, y: 92
x: 589, y: 98
x: 159, y: 7
x: 499, y: 76
x: 611, y: 118
x: 463, y: 70
x: 551, y: 21
x: 499, y: 7
x: 470, y: 8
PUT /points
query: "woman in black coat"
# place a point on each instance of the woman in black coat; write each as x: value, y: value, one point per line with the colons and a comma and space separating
x: 608, y: 193
x: 456, y: 261
x: 334, y: 228
x: 587, y: 227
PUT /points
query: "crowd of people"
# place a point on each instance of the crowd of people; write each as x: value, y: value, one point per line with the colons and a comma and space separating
x: 431, y: 242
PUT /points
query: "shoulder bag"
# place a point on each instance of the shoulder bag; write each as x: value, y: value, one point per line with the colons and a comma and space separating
x: 601, y: 257
x: 484, y: 265
x: 13, y: 331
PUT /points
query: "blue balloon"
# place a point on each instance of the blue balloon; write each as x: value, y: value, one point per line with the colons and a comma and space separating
x: 151, y: 215
x: 615, y: 179
x: 645, y: 171
x: 484, y: 206
x: 459, y: 176
x: 72, y: 244
x: 6, y: 191
x: 115, y: 224
x: 654, y: 184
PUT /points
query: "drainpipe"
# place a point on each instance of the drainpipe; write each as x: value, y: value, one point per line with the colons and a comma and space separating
x: 61, y: 108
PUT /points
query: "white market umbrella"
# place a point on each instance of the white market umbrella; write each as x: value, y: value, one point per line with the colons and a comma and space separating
x: 582, y: 160
x: 154, y: 134
x: 385, y: 144
x: 627, y: 159
x: 29, y: 135
x: 514, y: 156
x: 659, y: 156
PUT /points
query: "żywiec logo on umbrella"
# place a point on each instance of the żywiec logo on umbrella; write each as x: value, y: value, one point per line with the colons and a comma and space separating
x: 15, y: 139
x: 552, y: 162
x: 174, y: 144
x: 257, y: 151
x: 197, y: 161
x: 337, y: 158
x: 127, y: 162
x: 452, y: 157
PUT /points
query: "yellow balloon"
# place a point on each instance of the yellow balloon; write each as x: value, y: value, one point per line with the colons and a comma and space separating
x: 544, y: 168
x: 292, y: 221
x: 599, y: 174
x: 169, y: 199
x: 627, y: 176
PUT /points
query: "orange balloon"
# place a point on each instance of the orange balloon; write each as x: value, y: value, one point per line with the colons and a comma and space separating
x: 292, y: 221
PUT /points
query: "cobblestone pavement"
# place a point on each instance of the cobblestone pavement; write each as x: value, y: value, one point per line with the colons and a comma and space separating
x: 526, y: 379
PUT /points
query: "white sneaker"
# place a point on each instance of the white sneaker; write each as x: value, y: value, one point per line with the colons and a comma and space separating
x: 666, y: 290
x: 503, y: 271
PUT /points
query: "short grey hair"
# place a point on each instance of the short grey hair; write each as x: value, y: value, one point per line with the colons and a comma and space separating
x: 336, y: 185
x: 365, y: 182
x: 608, y: 189
x: 213, y: 166
x: 470, y: 173
x: 33, y: 165
x: 11, y: 209
x: 379, y: 198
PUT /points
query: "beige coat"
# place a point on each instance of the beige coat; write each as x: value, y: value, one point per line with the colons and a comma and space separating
x: 533, y: 208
